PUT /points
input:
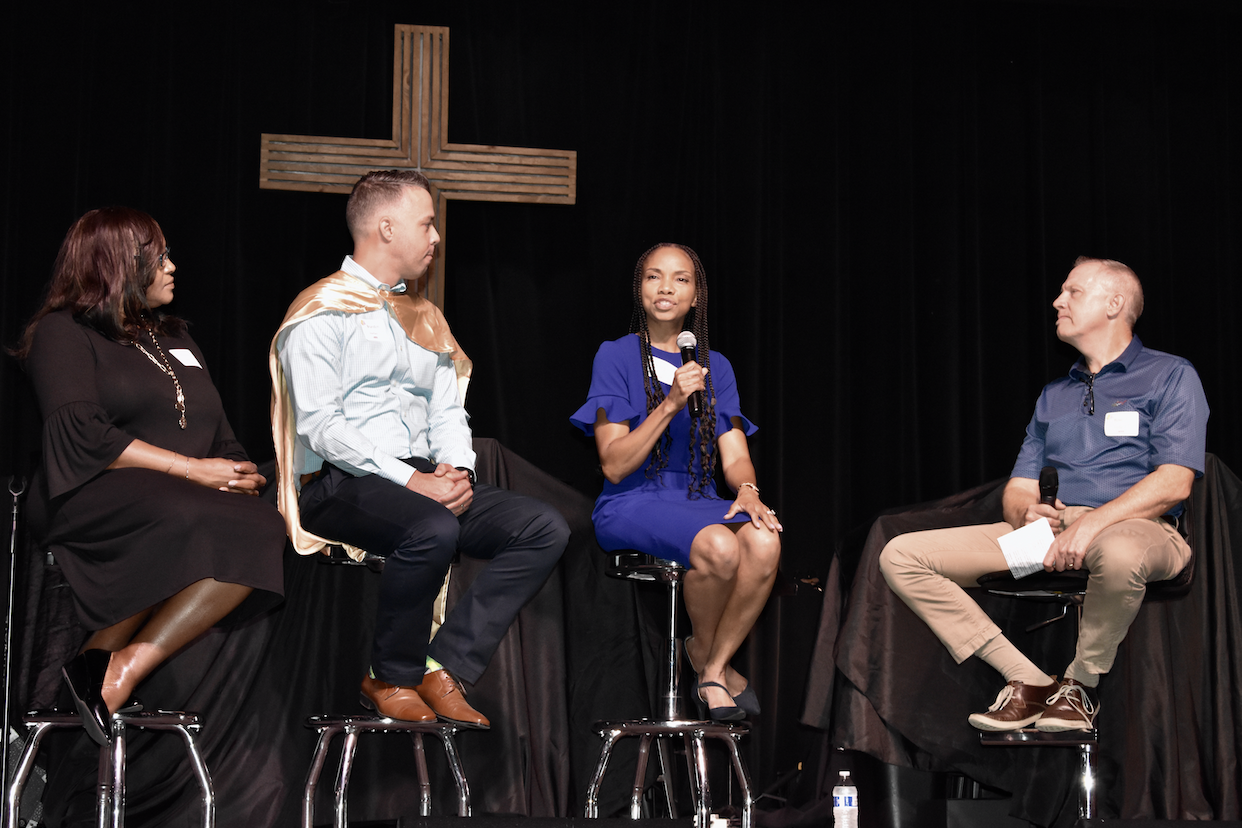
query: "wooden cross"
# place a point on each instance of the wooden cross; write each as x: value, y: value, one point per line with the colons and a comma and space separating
x: 475, y: 172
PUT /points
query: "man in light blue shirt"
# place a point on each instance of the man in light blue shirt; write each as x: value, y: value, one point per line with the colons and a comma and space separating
x: 368, y: 418
x: 1125, y: 430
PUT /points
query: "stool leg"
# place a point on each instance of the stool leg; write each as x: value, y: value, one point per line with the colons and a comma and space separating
x: 424, y: 783
x: 640, y: 777
x: 743, y: 778
x: 696, y: 759
x: 459, y: 775
x: 103, y: 789
x: 1086, y: 802
x: 13, y: 796
x: 118, y: 773
x: 672, y: 707
x: 312, y: 775
x: 591, y: 810
x: 663, y: 753
x: 201, y: 773
x: 342, y: 777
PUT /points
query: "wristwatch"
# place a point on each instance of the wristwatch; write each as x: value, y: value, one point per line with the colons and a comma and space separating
x: 474, y: 480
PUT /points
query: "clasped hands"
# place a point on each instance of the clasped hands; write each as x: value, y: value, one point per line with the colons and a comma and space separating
x: 446, y: 485
x: 236, y: 476
x: 1073, y: 530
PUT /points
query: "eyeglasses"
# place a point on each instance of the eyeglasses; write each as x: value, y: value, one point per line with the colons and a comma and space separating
x: 1089, y: 402
x: 159, y: 262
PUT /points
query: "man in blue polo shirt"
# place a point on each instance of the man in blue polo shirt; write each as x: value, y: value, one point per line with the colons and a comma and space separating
x: 1125, y: 431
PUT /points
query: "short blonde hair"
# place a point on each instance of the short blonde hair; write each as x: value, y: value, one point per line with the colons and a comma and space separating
x: 1124, y: 281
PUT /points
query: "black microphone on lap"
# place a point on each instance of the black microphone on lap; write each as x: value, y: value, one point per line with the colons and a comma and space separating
x: 1048, y: 485
x: 687, y: 342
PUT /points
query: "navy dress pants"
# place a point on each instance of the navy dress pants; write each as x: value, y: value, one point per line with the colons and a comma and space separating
x: 522, y: 537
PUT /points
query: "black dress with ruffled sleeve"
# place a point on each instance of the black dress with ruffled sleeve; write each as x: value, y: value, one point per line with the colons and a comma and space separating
x: 127, y: 539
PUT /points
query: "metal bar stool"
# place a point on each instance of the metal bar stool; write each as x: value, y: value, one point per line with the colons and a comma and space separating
x: 637, y: 566
x: 1067, y: 589
x: 111, y: 785
x: 351, y: 727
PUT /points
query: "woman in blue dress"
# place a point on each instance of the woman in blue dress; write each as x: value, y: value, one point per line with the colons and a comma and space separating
x: 659, y: 463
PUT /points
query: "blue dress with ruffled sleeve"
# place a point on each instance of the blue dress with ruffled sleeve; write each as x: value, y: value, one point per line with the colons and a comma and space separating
x: 655, y: 515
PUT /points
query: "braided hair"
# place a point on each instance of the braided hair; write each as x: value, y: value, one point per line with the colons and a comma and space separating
x: 703, y: 428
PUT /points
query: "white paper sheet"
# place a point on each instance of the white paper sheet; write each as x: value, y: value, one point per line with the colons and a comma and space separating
x: 1025, y: 548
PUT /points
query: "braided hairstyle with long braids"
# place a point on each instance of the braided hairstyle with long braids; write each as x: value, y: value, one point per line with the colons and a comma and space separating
x: 703, y: 428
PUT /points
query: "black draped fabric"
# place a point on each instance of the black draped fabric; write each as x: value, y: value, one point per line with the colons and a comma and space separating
x: 255, y: 685
x: 1170, y: 722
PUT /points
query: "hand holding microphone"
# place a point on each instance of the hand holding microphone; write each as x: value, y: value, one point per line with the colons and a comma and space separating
x: 1048, y: 485
x: 687, y: 342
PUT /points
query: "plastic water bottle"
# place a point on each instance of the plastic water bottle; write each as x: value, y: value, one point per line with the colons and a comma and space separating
x: 845, y: 803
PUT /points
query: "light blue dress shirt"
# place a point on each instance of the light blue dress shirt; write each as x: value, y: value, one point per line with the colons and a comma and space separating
x: 365, y: 396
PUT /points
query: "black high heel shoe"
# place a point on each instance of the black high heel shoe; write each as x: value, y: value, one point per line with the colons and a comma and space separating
x: 84, y: 676
x: 746, y: 700
x: 731, y: 713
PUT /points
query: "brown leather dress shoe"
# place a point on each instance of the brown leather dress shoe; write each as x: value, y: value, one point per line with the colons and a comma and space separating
x: 395, y: 701
x: 441, y: 691
x: 1073, y: 707
x: 1017, y: 706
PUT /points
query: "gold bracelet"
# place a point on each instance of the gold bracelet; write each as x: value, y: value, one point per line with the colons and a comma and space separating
x: 748, y: 485
x: 170, y: 463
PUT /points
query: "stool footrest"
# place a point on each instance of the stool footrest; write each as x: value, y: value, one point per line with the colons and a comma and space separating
x: 111, y: 781
x: 1038, y: 738
x: 350, y: 727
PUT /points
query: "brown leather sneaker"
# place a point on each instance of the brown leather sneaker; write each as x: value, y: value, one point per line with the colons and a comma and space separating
x: 1073, y: 707
x: 1016, y: 706
x: 441, y: 691
x: 395, y: 701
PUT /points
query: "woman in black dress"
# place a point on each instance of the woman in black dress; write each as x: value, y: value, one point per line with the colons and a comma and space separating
x: 137, y: 497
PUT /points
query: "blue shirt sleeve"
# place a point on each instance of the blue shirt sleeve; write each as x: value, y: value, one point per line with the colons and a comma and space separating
x: 610, y: 388
x: 728, y: 404
x: 1179, y: 430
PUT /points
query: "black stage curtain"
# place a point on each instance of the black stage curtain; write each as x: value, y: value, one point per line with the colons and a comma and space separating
x: 885, y: 194
x: 1170, y: 720
x: 576, y: 654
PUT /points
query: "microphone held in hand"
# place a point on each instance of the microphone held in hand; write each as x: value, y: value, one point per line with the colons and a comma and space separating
x: 1048, y: 485
x: 687, y: 342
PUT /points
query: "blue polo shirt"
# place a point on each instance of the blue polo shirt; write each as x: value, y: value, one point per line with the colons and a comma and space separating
x: 1149, y: 410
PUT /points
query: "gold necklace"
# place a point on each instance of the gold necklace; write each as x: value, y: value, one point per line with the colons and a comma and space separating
x: 164, y: 365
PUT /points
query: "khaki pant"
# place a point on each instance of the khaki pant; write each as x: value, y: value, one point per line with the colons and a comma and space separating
x: 928, y: 570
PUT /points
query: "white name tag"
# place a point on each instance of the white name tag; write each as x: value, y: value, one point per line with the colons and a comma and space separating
x: 664, y: 369
x: 1121, y: 423
x: 185, y: 356
x: 372, y: 329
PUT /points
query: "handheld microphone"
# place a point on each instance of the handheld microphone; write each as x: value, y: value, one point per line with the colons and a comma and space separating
x: 1048, y: 485
x: 687, y: 342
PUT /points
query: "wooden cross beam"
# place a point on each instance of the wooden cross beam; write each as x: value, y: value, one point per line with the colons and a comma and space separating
x: 475, y: 172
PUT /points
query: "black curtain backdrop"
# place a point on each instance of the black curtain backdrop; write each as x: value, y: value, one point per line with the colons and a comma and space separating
x: 886, y: 196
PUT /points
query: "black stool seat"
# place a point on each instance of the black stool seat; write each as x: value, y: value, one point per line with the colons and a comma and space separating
x: 111, y: 785
x: 351, y: 726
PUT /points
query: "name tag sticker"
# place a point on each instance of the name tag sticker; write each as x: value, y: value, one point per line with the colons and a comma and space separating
x: 1121, y: 424
x: 372, y: 329
x: 664, y: 370
x: 185, y: 356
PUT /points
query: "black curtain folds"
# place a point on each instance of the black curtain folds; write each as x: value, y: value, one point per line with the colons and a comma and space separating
x: 885, y: 195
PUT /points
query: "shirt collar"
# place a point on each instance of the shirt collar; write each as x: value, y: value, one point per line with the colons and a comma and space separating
x: 358, y: 271
x: 1123, y: 362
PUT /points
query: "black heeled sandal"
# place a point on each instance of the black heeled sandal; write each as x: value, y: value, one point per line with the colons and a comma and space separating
x: 747, y: 700
x: 731, y: 713
x: 84, y: 676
